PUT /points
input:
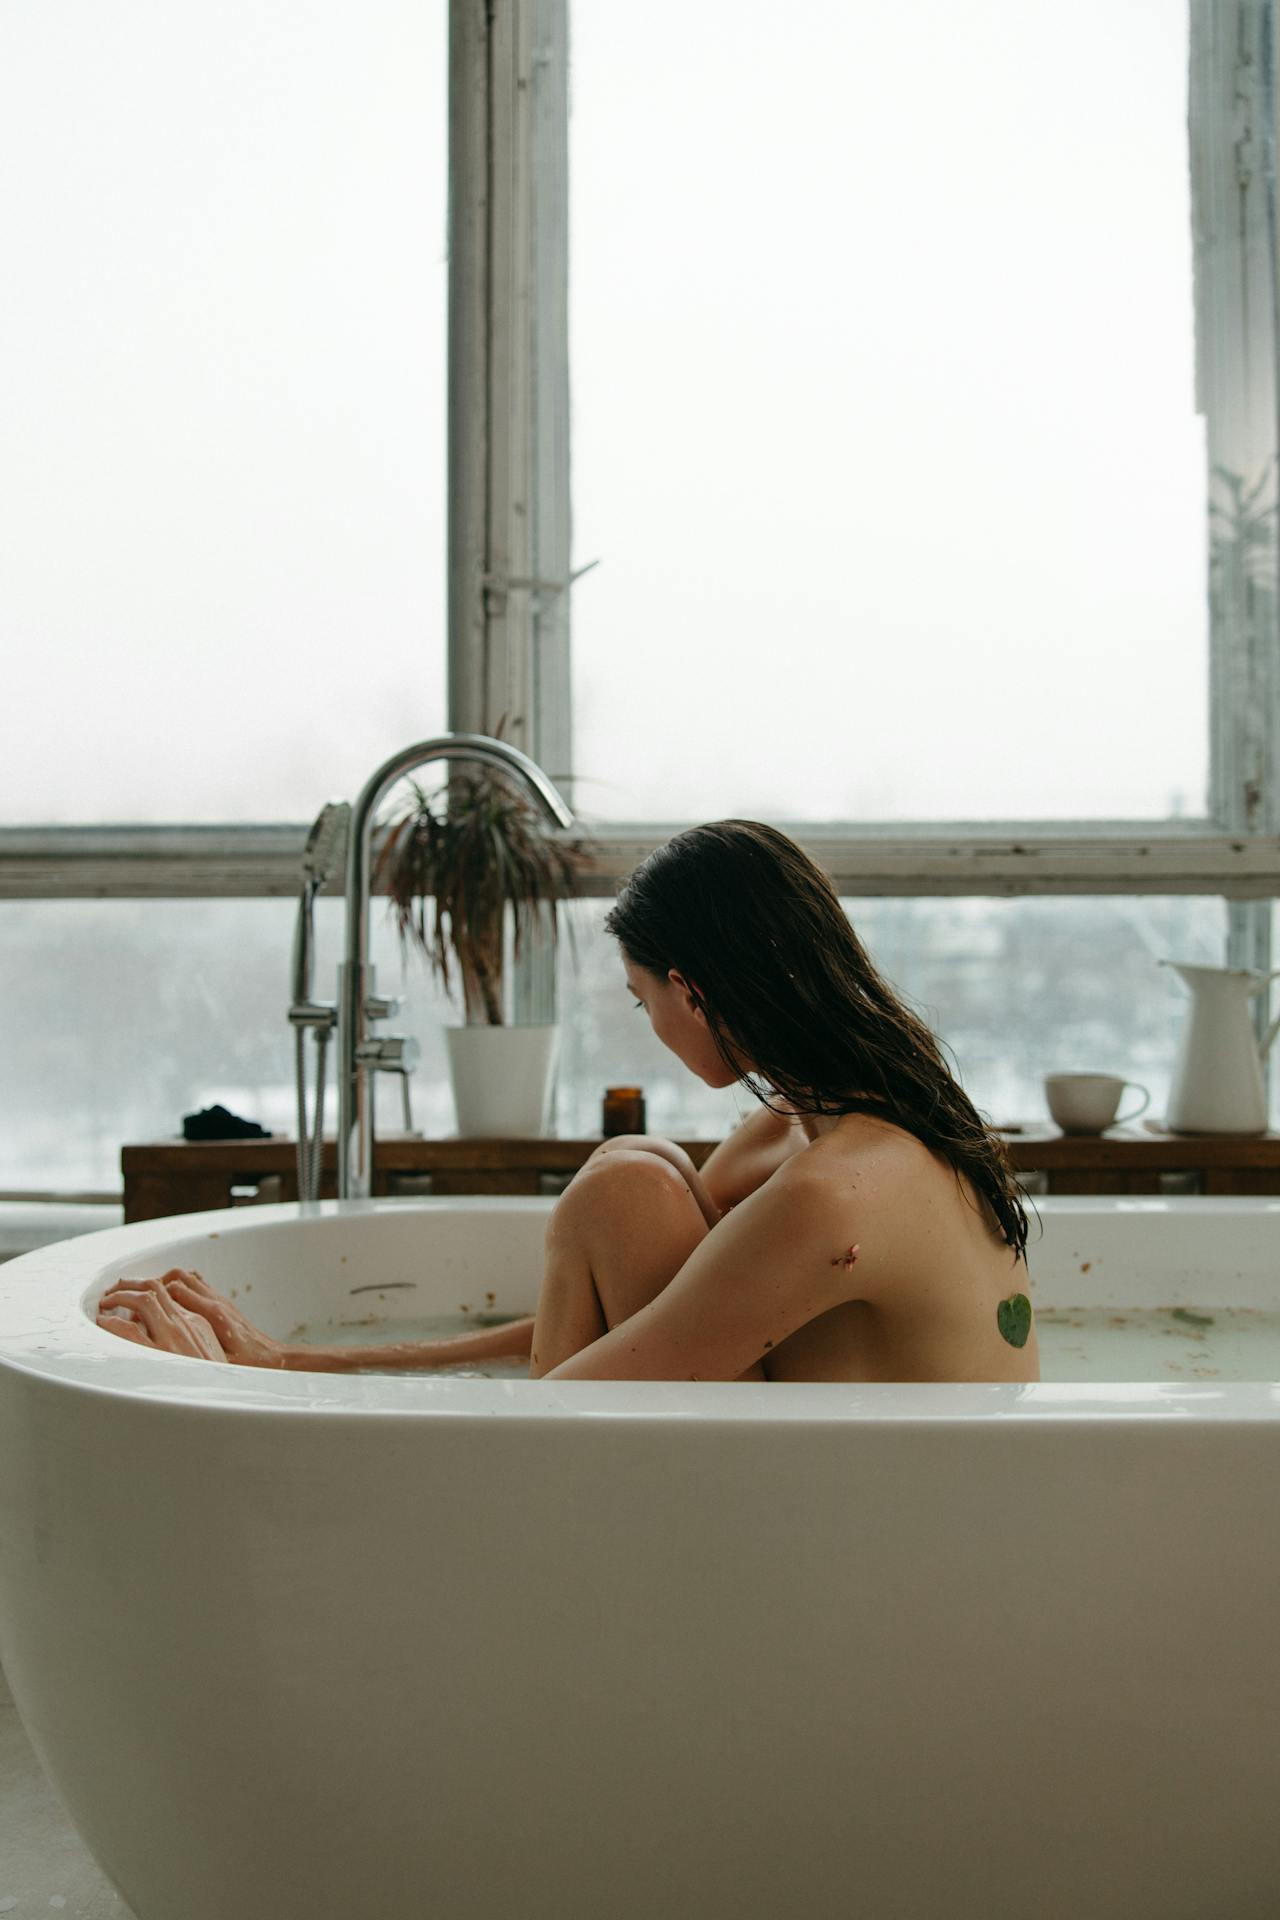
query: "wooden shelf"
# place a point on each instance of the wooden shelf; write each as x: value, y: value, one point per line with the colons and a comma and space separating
x: 1134, y: 1159
x: 191, y: 1176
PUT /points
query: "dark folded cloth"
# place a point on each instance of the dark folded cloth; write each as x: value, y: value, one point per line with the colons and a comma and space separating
x: 215, y: 1123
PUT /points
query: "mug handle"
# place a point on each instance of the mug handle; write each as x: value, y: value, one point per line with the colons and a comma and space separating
x: 1122, y: 1119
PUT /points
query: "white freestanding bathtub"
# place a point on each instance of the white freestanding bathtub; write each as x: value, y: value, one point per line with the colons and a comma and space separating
x: 309, y: 1646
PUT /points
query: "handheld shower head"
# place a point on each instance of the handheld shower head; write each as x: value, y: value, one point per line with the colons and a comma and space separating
x: 327, y: 842
x: 324, y: 853
x: 322, y: 857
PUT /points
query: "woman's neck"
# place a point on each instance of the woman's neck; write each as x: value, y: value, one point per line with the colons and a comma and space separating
x: 816, y: 1124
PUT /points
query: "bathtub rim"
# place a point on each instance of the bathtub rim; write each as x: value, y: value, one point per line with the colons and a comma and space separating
x: 46, y: 1334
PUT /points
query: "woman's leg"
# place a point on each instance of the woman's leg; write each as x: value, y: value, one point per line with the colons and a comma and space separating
x: 675, y: 1156
x: 621, y: 1231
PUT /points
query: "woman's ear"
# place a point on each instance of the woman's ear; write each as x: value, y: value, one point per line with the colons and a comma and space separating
x: 693, y: 994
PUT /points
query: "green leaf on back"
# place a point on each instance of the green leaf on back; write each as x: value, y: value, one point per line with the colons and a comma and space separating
x: 1013, y: 1317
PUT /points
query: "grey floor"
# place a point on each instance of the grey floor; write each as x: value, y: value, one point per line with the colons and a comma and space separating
x: 44, y: 1866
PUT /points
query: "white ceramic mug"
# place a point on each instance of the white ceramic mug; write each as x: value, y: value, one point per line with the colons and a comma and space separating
x: 1089, y: 1102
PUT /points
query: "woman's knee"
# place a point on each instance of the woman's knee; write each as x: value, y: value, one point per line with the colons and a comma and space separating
x: 629, y: 1222
x: 627, y: 1186
x: 649, y: 1145
x: 618, y: 1143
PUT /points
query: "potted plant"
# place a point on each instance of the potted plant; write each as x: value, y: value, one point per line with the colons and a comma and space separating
x: 473, y: 849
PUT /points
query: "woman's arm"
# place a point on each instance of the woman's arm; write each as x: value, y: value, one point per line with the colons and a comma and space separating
x: 754, y: 1150
x: 511, y: 1342
x: 782, y: 1258
x: 752, y: 1153
x: 182, y: 1313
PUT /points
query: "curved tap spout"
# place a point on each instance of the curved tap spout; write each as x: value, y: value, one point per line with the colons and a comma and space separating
x: 355, y: 1073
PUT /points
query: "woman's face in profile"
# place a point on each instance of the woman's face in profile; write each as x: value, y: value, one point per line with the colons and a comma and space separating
x: 679, y: 1023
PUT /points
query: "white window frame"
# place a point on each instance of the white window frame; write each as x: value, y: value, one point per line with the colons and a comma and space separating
x: 510, y: 570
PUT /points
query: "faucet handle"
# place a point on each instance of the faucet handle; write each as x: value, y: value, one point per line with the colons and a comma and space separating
x: 313, y: 1013
x: 392, y: 1053
x: 376, y: 1007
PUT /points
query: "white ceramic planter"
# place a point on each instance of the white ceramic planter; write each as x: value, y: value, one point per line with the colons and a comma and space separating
x: 502, y: 1079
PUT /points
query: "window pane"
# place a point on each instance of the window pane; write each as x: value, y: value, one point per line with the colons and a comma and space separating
x: 118, y: 1017
x: 884, y: 417
x: 222, y: 496
x: 1015, y: 989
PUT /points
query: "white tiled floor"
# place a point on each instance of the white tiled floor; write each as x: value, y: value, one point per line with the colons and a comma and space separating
x: 44, y: 1866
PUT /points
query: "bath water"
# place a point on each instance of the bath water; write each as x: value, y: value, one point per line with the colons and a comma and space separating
x: 1076, y: 1343
x: 1158, y: 1343
x: 441, y: 1326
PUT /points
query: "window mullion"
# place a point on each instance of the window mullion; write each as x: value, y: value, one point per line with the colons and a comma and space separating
x: 509, y: 393
x: 1047, y: 857
x: 1231, y: 124
x: 468, y: 358
x: 509, y: 375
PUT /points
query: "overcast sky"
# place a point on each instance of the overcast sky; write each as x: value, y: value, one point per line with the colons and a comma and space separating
x: 883, y: 418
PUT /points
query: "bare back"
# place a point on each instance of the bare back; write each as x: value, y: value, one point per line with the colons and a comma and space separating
x: 931, y: 1271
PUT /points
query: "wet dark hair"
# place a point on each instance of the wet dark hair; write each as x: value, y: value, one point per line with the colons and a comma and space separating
x: 793, y: 1000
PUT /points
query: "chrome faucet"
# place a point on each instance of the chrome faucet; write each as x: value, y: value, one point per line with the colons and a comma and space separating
x: 360, y: 1055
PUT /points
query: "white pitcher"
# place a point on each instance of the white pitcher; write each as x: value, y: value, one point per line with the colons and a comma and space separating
x: 1218, y: 1084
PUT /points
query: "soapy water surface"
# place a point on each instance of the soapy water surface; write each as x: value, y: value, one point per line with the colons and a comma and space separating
x: 441, y: 1326
x: 1076, y: 1343
x: 1158, y: 1343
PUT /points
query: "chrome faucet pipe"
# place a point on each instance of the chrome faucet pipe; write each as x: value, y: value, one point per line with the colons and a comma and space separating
x: 358, y: 1054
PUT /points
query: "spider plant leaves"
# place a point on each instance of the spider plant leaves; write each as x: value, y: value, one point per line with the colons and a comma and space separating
x: 452, y: 863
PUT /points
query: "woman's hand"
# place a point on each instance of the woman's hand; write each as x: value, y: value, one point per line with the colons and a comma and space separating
x: 181, y: 1313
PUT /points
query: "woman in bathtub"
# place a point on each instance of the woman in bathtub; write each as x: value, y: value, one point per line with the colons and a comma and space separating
x: 862, y: 1225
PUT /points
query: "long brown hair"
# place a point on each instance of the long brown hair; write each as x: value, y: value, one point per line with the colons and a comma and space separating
x: 793, y: 1000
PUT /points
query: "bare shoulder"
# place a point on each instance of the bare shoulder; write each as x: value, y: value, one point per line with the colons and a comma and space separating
x: 862, y: 1154
x: 869, y: 1186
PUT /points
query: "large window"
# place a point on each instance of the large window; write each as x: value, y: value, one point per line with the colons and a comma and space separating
x: 923, y: 427
x: 222, y: 487
x: 118, y: 1017
x: 901, y: 507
